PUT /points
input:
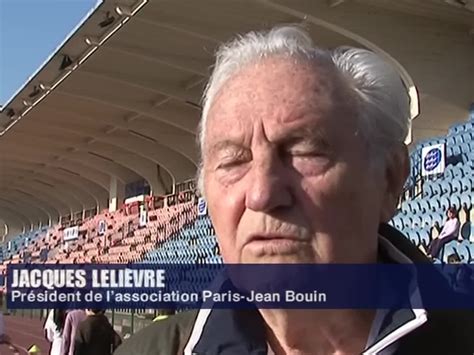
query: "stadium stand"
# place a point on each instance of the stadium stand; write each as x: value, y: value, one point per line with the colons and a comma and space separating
x: 174, y: 233
x: 422, y: 210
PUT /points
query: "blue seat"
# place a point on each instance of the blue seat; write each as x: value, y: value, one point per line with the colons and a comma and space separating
x: 396, y: 222
x: 455, y: 201
x: 404, y: 208
x: 423, y: 206
x: 458, y: 171
x: 436, y: 189
x: 445, y: 187
x: 438, y: 219
x: 456, y: 185
x: 424, y: 236
x: 427, y: 220
x: 466, y: 231
x: 471, y: 252
x: 464, y: 147
x: 466, y: 184
x: 463, y: 251
x: 433, y: 205
x: 449, y: 249
x: 427, y: 189
x: 470, y: 142
x: 466, y: 202
x: 444, y: 203
x: 414, y: 237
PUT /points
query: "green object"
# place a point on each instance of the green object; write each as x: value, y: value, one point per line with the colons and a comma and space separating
x: 162, y: 317
x: 34, y: 349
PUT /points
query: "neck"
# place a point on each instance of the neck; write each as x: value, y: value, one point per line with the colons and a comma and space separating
x: 318, y: 331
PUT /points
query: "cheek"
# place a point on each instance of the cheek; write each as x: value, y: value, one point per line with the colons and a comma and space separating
x: 340, y: 199
x: 225, y: 207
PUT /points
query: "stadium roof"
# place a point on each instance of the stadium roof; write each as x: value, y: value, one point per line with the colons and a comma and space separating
x: 121, y: 97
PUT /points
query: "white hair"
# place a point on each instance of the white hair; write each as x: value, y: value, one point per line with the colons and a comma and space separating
x: 382, y: 99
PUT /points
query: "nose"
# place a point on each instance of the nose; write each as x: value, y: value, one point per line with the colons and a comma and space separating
x: 268, y: 187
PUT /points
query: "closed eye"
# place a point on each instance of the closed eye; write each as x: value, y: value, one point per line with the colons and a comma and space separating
x: 305, y: 153
x: 234, y: 161
x: 230, y: 164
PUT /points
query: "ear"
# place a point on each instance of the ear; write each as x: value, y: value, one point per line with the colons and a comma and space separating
x: 397, y: 169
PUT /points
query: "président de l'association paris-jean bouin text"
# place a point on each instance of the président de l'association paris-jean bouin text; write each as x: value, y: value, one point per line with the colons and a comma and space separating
x: 152, y: 279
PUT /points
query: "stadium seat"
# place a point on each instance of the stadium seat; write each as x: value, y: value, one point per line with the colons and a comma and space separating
x: 455, y: 201
x: 449, y: 248
x: 397, y: 222
x: 445, y: 188
x: 424, y: 236
x: 445, y: 203
x: 462, y: 250
x: 466, y: 231
x: 427, y: 220
x: 456, y: 186
x: 434, y: 205
x: 471, y: 252
x: 413, y: 236
x: 466, y: 184
x: 423, y: 206
x: 466, y: 201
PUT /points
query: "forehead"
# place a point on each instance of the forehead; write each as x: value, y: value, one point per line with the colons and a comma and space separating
x: 277, y: 92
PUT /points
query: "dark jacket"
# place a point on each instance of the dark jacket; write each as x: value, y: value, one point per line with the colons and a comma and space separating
x: 232, y: 332
x: 96, y: 336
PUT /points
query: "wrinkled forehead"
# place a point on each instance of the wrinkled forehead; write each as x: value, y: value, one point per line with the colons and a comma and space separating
x: 277, y: 91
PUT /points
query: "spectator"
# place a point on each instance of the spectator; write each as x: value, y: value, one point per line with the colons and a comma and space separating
x: 95, y: 335
x: 73, y: 319
x: 53, y: 328
x: 449, y: 232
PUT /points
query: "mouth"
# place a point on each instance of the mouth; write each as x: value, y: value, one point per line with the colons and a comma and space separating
x: 274, y: 243
x: 264, y: 237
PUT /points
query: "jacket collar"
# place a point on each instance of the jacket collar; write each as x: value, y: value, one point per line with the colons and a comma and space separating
x: 397, y: 323
x: 230, y: 331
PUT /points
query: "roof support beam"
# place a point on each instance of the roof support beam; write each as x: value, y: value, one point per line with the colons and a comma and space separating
x: 16, y: 174
x: 168, y: 135
x: 76, y: 204
x: 13, y: 221
x: 59, y: 178
x: 38, y: 215
x: 183, y: 120
x: 63, y: 148
x: 7, y: 210
x: 26, y: 197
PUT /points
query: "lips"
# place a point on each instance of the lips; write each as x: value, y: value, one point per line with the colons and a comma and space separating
x: 262, y: 238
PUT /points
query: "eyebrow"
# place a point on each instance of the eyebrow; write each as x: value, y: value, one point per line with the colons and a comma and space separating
x: 223, y: 145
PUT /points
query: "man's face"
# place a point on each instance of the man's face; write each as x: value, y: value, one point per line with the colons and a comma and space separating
x: 287, y: 176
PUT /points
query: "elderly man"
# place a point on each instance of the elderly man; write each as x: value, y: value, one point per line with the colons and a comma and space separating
x: 303, y: 161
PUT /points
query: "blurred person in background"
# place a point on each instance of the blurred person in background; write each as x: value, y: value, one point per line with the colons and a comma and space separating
x: 449, y: 233
x: 73, y: 319
x: 95, y: 335
x: 53, y: 329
